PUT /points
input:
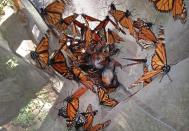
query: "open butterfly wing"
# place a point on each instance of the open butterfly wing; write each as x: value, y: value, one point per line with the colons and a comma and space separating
x: 83, y: 78
x: 89, y: 117
x: 57, y: 7
x: 147, y: 35
x: 102, y: 25
x: 105, y: 100
x: 113, y: 37
x: 64, y: 23
x: 72, y: 109
x: 59, y: 64
x: 159, y: 59
x: 163, y: 5
x: 101, y: 126
x: 53, y: 12
x: 42, y: 50
x: 179, y: 11
x: 79, y: 92
x: 124, y: 21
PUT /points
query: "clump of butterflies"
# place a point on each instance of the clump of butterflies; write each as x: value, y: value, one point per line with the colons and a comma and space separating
x: 89, y: 55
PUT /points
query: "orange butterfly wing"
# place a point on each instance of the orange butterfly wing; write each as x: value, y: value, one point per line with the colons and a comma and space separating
x: 89, y: 118
x: 113, y: 37
x: 179, y: 11
x: 64, y: 23
x: 79, y: 92
x: 176, y: 6
x: 59, y: 64
x: 159, y: 59
x: 163, y: 5
x: 42, y: 50
x: 100, y: 126
x: 146, y: 34
x: 104, y: 98
x: 73, y: 104
x: 53, y: 12
x: 124, y: 21
x: 83, y: 78
x: 72, y: 109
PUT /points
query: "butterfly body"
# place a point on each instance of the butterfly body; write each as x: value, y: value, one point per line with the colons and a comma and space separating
x: 34, y: 55
x: 127, y: 13
x: 62, y: 112
x: 166, y: 69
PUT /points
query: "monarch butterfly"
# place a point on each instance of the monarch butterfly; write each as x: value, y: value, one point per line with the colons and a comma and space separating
x: 89, y: 120
x: 89, y: 117
x: 64, y: 23
x: 58, y: 62
x: 70, y: 111
x: 41, y: 53
x: 85, y: 119
x: 112, y: 37
x: 100, y: 126
x: 83, y: 77
x: 103, y: 24
x: 177, y: 7
x: 144, y: 33
x: 158, y: 61
x: 104, y: 98
x: 52, y: 14
x: 123, y: 18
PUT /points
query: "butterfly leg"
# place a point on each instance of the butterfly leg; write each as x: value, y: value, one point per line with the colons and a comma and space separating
x: 161, y: 78
x: 169, y: 77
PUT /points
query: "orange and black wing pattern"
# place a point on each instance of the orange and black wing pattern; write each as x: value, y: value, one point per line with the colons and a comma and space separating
x: 83, y: 78
x: 64, y: 23
x: 158, y: 61
x: 73, y: 105
x: 177, y: 7
x: 89, y: 116
x: 144, y: 32
x: 123, y: 18
x: 41, y: 53
x: 58, y: 62
x: 52, y: 14
x: 102, y: 25
x: 113, y: 37
x: 159, y: 58
x: 105, y: 99
x: 101, y: 126
x: 42, y: 49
